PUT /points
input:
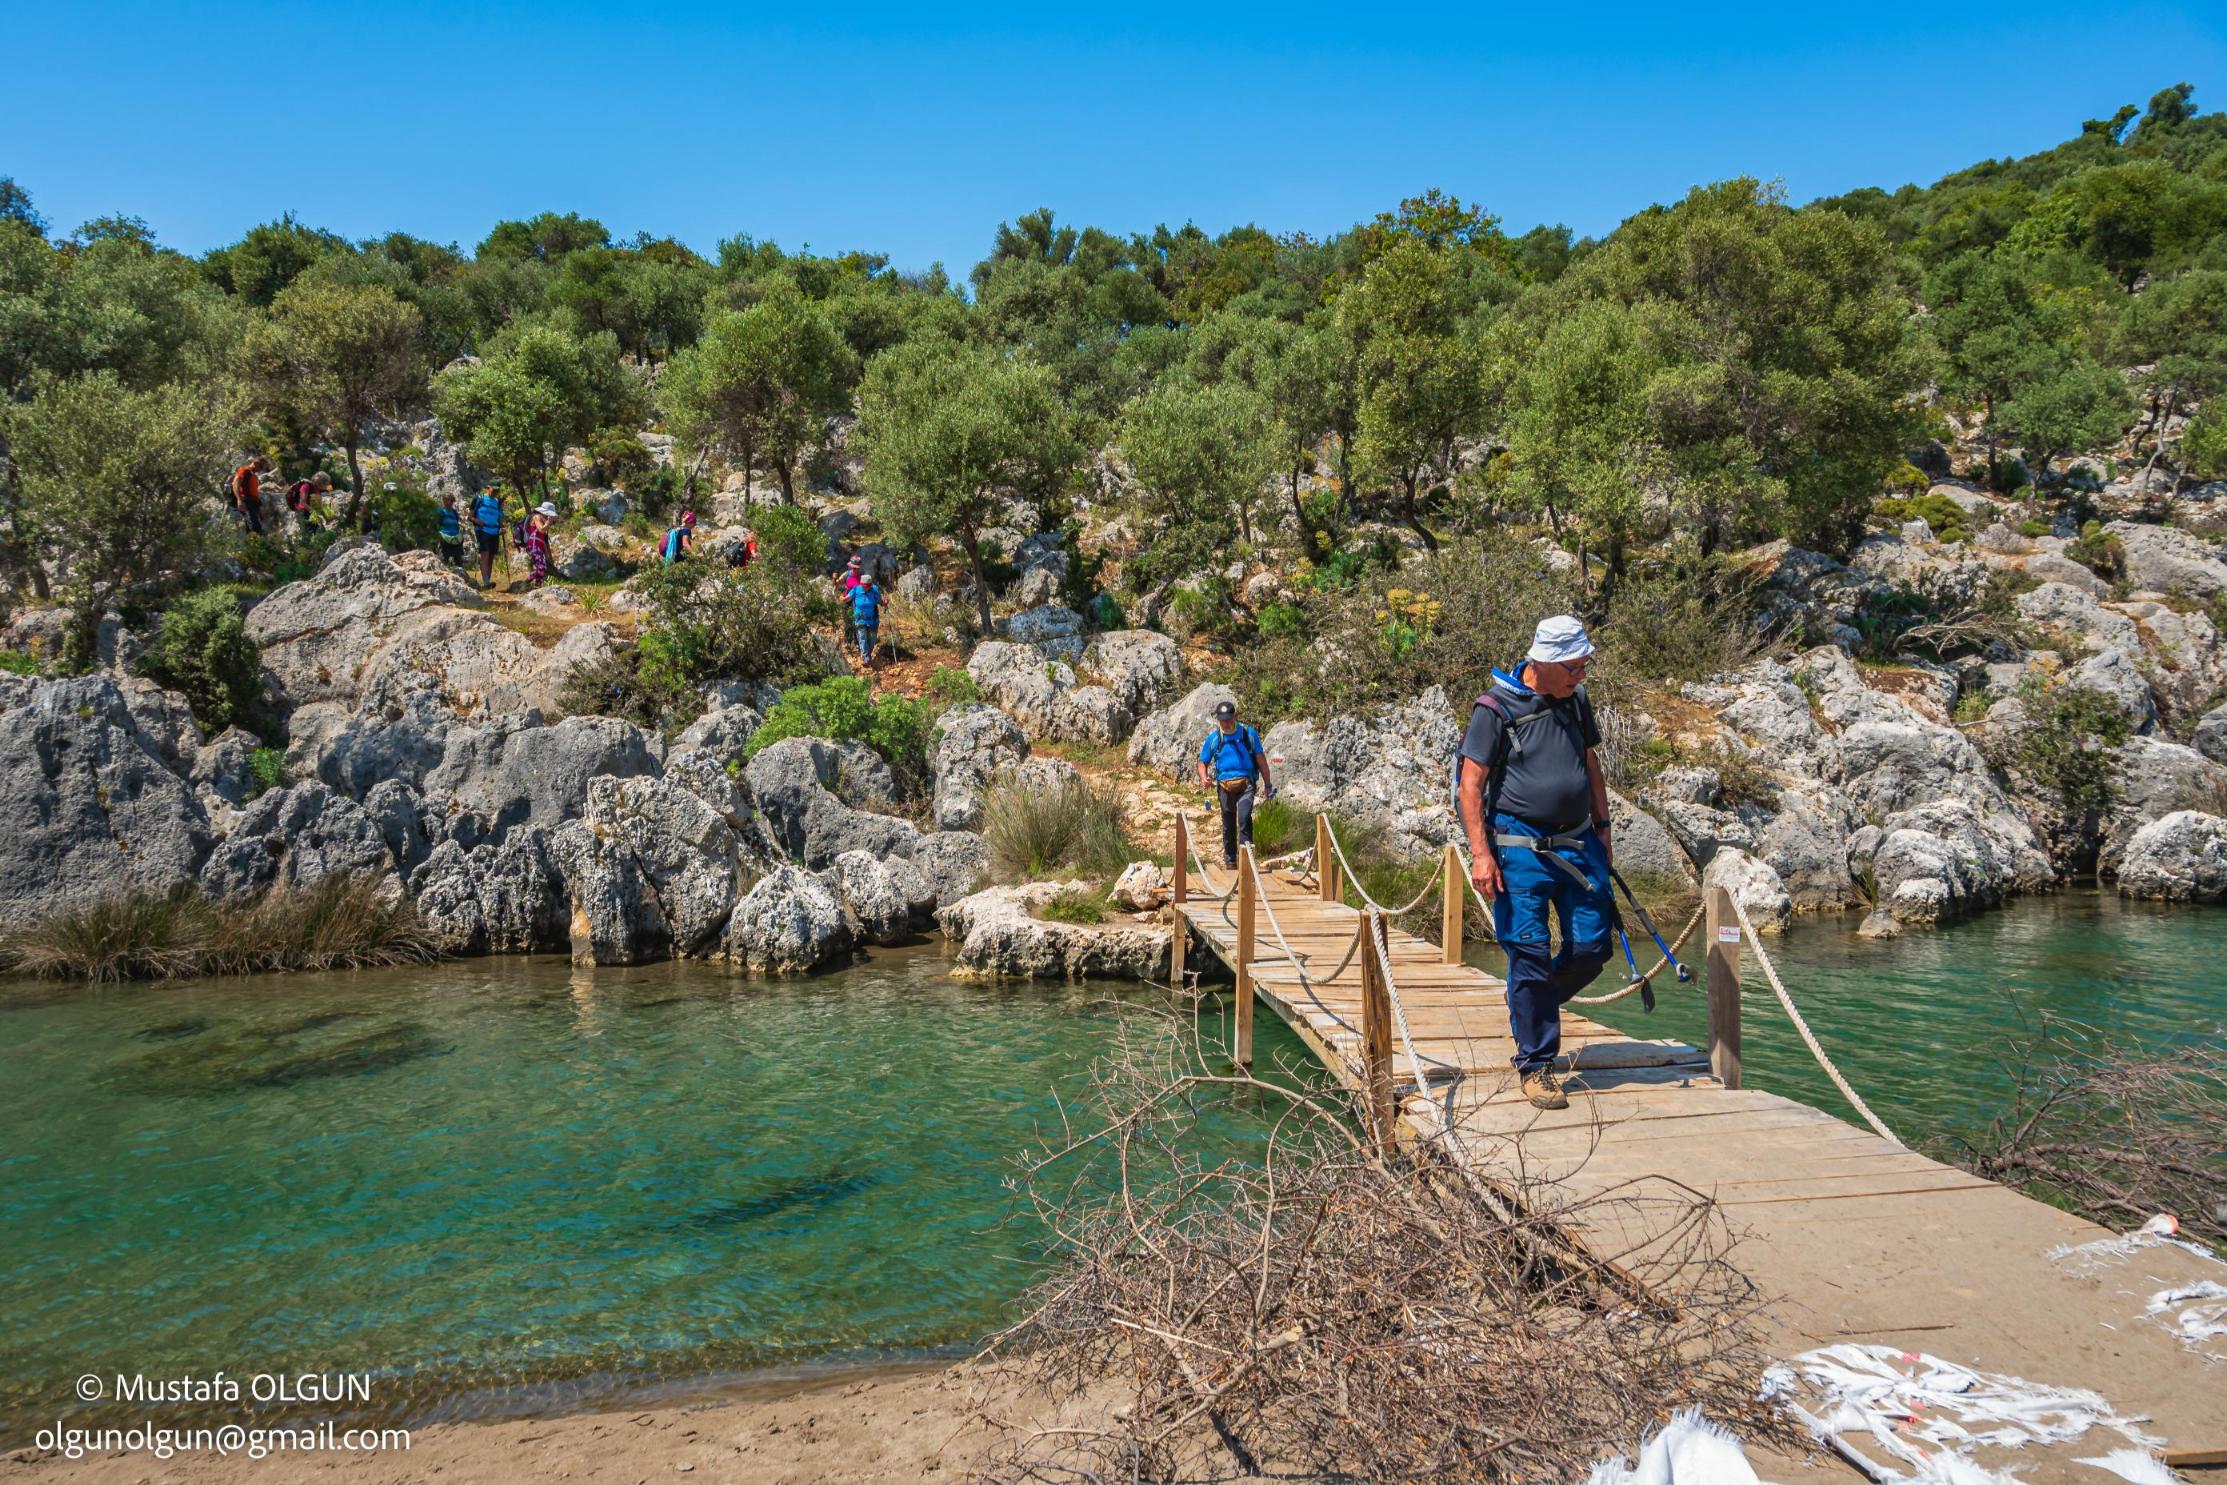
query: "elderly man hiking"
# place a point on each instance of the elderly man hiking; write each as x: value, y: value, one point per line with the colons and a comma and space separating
x: 1230, y: 760
x: 1534, y: 805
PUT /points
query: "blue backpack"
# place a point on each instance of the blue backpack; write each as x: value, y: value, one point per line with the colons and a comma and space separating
x: 1244, y: 734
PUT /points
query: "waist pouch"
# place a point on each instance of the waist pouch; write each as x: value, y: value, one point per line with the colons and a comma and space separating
x: 1237, y: 786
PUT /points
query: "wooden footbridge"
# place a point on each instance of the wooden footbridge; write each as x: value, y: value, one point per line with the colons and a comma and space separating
x: 1857, y: 1238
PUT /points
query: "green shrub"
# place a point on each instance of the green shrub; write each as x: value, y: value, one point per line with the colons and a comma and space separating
x: 409, y: 520
x: 2065, y: 744
x: 1282, y: 621
x: 1104, y: 613
x: 2010, y: 475
x: 621, y: 458
x: 954, y: 686
x: 1076, y: 906
x: 1682, y: 623
x: 2099, y: 551
x: 1202, y: 607
x: 1946, y: 518
x: 267, y: 766
x: 19, y: 662
x: 1035, y: 830
x: 845, y: 709
x: 2036, y: 528
x: 704, y: 622
x: 1907, y: 479
x: 2203, y: 447
x: 203, y: 650
x: 1278, y: 829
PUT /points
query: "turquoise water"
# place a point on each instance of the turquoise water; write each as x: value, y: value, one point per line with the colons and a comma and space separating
x: 500, y: 1183
x: 1926, y: 1026
x: 503, y: 1185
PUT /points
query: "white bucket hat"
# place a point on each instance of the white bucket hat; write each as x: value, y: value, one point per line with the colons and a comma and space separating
x: 1559, y: 639
x: 546, y: 509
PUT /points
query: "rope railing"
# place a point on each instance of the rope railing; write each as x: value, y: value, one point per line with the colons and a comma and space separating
x: 1418, y: 1063
x: 1786, y: 1003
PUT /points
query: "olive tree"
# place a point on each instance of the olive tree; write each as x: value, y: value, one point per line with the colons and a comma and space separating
x: 760, y: 385
x: 539, y: 391
x: 338, y: 356
x: 952, y: 431
x: 1203, y: 455
x: 116, y: 486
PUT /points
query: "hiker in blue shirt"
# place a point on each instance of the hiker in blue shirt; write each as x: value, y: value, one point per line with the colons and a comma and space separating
x: 1231, y: 763
x: 866, y: 614
x: 452, y: 531
x: 487, y: 528
x: 680, y: 540
x: 1534, y: 805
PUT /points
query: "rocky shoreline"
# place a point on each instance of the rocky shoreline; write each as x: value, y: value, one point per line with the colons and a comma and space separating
x: 426, y: 746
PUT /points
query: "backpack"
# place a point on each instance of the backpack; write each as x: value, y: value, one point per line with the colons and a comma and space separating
x: 297, y: 496
x: 1244, y: 734
x: 1510, y: 743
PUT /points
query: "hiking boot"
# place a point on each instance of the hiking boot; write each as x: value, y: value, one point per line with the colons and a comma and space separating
x: 1544, y: 1090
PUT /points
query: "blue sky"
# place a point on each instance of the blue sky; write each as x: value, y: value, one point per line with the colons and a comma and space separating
x: 914, y: 130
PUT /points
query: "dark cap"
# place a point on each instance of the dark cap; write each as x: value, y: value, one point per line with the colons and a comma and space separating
x: 1225, y: 709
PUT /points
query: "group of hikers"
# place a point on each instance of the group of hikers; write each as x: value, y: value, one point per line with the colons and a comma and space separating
x: 1533, y: 807
x: 306, y: 498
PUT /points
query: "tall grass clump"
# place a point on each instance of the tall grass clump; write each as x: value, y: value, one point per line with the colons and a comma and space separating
x: 344, y: 921
x: 1034, y: 829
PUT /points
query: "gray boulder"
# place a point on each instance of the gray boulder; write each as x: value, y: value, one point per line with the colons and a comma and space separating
x: 682, y: 848
x: 95, y: 808
x: 223, y: 768
x: 1643, y: 847
x: 878, y: 908
x: 1167, y: 741
x: 1754, y: 886
x: 791, y: 783
x: 789, y: 923
x: 722, y: 733
x: 493, y: 899
x: 1048, y: 624
x: 320, y: 635
x: 2211, y: 735
x: 1391, y: 770
x: 973, y: 743
x: 1139, y: 666
x: 953, y: 864
x: 516, y: 770
x: 2165, y: 559
x: 294, y: 837
x: 399, y: 815
x: 998, y: 935
x: 2152, y: 778
x: 614, y: 912
x: 2179, y: 858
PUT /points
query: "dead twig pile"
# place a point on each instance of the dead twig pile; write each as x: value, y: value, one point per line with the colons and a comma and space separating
x: 1314, y: 1309
x: 2114, y: 1132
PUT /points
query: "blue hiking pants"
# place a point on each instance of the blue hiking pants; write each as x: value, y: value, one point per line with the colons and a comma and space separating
x: 1573, y: 886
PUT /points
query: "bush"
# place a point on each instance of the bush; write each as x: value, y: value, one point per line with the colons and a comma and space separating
x: 2064, y: 745
x: 2036, y: 528
x: 1278, y: 828
x: 2099, y: 551
x: 845, y: 709
x: 2010, y: 475
x: 1943, y: 515
x: 18, y: 662
x: 1282, y: 621
x: 338, y: 922
x: 203, y: 650
x: 704, y: 622
x: 1907, y: 479
x: 267, y: 766
x: 1679, y: 624
x: 1105, y: 613
x: 1076, y: 907
x: 2203, y: 448
x: 621, y: 458
x: 1035, y: 830
x: 953, y: 686
x: 407, y: 519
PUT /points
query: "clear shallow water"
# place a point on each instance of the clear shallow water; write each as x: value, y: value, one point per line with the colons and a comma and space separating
x: 503, y: 1185
x: 500, y: 1183
x: 1926, y: 1027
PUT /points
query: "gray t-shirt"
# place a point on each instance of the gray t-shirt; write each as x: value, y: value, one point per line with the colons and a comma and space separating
x: 1544, y: 784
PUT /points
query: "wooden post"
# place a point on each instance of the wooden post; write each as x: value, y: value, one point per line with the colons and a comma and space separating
x: 1182, y: 860
x: 1724, y: 987
x: 1179, y: 933
x: 1449, y: 908
x: 1245, y: 909
x: 1376, y: 1036
x: 1326, y: 862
